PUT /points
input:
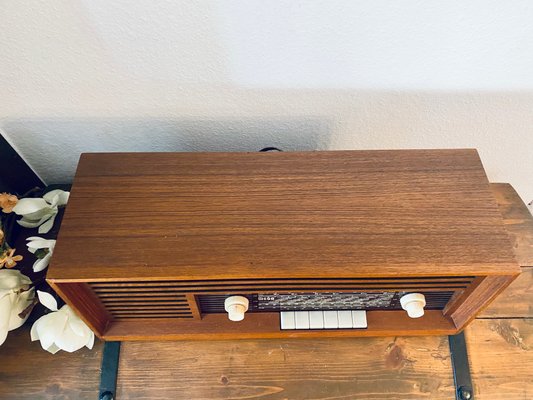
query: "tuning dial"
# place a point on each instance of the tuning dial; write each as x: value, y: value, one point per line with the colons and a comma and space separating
x: 236, y: 306
x: 414, y: 304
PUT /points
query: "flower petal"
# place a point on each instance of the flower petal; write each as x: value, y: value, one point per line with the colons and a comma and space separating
x: 53, y: 349
x: 57, y: 197
x: 50, y: 328
x: 69, y: 341
x: 20, y: 303
x: 90, y: 342
x: 34, y: 334
x: 29, y: 205
x: 45, y: 228
x: 35, y: 238
x: 42, y: 214
x: 12, y: 280
x: 42, y: 263
x: 5, y: 313
x: 47, y: 300
x: 77, y: 325
x: 28, y: 224
x: 40, y: 243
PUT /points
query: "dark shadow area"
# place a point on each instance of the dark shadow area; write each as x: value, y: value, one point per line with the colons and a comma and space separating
x: 15, y: 175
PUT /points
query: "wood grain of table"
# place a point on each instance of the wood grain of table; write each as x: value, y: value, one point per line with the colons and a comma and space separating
x: 501, y: 358
x: 369, y: 368
x: 500, y: 344
x: 29, y: 372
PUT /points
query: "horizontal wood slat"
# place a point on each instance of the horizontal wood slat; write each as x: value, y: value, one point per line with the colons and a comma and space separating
x: 152, y: 311
x: 152, y: 317
x: 148, y: 307
x: 255, y: 282
x: 275, y: 288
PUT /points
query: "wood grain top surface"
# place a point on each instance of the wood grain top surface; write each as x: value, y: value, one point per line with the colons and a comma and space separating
x: 299, y: 214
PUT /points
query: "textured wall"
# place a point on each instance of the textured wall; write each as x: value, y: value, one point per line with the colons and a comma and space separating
x: 92, y: 75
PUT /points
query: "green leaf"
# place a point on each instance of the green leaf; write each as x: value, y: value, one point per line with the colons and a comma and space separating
x: 41, y: 253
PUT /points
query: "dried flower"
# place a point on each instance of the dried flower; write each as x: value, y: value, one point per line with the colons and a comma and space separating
x: 9, y: 259
x: 7, y: 202
x: 15, y: 297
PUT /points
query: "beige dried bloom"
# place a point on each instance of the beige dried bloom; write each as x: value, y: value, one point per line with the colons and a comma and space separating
x: 9, y: 259
x: 7, y: 202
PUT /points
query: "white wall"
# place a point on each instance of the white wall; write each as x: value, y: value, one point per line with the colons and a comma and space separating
x: 94, y: 75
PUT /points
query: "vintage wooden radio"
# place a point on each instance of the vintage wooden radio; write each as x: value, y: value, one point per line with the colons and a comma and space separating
x: 263, y: 245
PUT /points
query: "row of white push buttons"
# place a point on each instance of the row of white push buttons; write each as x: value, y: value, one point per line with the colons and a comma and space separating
x: 323, y: 319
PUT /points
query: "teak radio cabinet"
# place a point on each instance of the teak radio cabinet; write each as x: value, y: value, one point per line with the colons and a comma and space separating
x: 152, y: 243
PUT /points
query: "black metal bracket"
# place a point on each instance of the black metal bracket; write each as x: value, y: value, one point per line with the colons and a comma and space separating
x: 109, y: 372
x: 461, y: 370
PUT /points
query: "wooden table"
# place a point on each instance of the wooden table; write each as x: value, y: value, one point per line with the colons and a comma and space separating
x: 500, y: 347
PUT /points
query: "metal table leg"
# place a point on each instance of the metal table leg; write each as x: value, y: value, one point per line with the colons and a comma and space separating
x: 108, y: 375
x: 461, y: 369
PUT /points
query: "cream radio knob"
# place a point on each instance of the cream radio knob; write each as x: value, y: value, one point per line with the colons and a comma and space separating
x: 414, y: 304
x: 236, y: 306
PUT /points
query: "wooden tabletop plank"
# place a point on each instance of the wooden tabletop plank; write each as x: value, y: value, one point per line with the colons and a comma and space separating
x: 501, y: 350
x: 501, y: 358
x: 366, y: 368
x: 516, y: 301
x: 518, y: 221
x: 29, y: 372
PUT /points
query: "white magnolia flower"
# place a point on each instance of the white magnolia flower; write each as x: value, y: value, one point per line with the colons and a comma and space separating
x: 38, y: 243
x: 15, y: 297
x: 61, y: 329
x: 41, y: 212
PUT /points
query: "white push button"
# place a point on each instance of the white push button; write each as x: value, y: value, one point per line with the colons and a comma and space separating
x: 359, y: 319
x: 414, y: 304
x: 287, y: 320
x: 302, y: 319
x: 345, y: 319
x: 236, y: 306
x: 331, y: 320
x: 323, y: 319
x: 316, y: 320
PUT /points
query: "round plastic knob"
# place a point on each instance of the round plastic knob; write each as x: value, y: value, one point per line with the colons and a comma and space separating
x: 236, y: 306
x: 414, y: 304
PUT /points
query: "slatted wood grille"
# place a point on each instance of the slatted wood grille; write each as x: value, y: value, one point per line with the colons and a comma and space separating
x: 168, y: 299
